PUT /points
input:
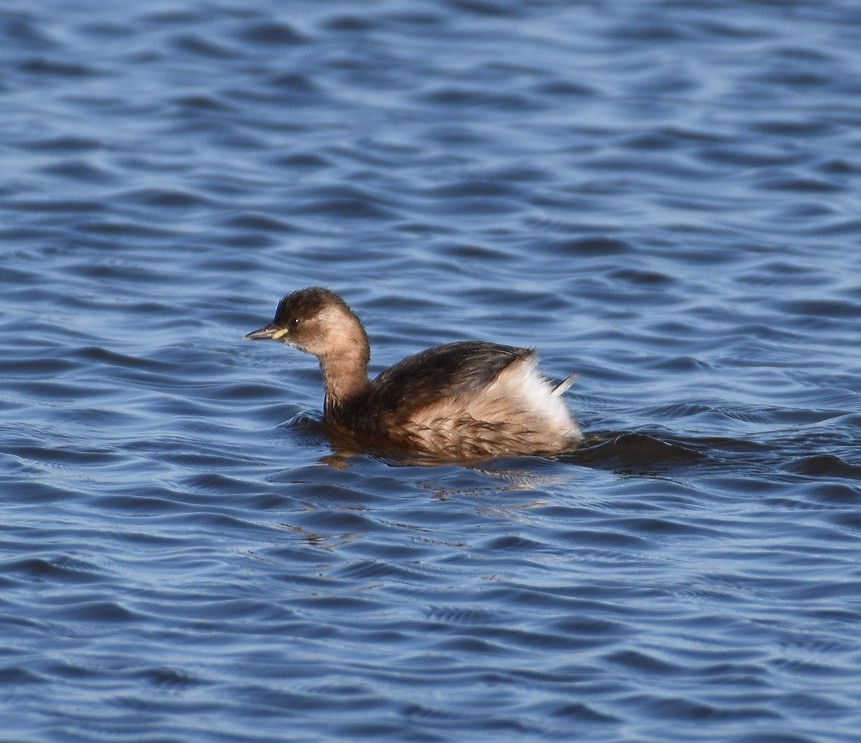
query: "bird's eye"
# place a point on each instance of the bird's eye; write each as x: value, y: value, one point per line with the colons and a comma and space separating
x: 294, y: 322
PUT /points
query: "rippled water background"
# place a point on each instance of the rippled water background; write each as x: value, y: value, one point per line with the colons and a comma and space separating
x: 662, y: 196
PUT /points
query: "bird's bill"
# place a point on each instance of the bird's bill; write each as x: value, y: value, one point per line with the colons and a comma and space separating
x: 270, y: 332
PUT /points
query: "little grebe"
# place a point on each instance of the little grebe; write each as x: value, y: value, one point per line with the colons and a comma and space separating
x: 458, y: 401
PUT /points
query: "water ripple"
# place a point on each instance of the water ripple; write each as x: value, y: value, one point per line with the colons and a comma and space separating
x: 661, y: 199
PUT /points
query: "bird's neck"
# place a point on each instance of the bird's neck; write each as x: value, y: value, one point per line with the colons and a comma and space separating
x: 345, y: 378
x: 344, y: 363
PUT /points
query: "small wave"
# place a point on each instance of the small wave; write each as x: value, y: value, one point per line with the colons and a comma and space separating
x: 635, y: 452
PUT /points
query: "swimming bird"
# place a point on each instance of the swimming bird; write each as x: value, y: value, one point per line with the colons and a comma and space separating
x: 464, y: 400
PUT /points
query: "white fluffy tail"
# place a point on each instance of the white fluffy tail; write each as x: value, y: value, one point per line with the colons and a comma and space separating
x: 560, y: 388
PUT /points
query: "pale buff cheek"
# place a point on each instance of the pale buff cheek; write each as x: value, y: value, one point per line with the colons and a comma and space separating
x: 344, y: 338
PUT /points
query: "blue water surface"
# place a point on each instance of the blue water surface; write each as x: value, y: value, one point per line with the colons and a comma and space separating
x: 662, y: 197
